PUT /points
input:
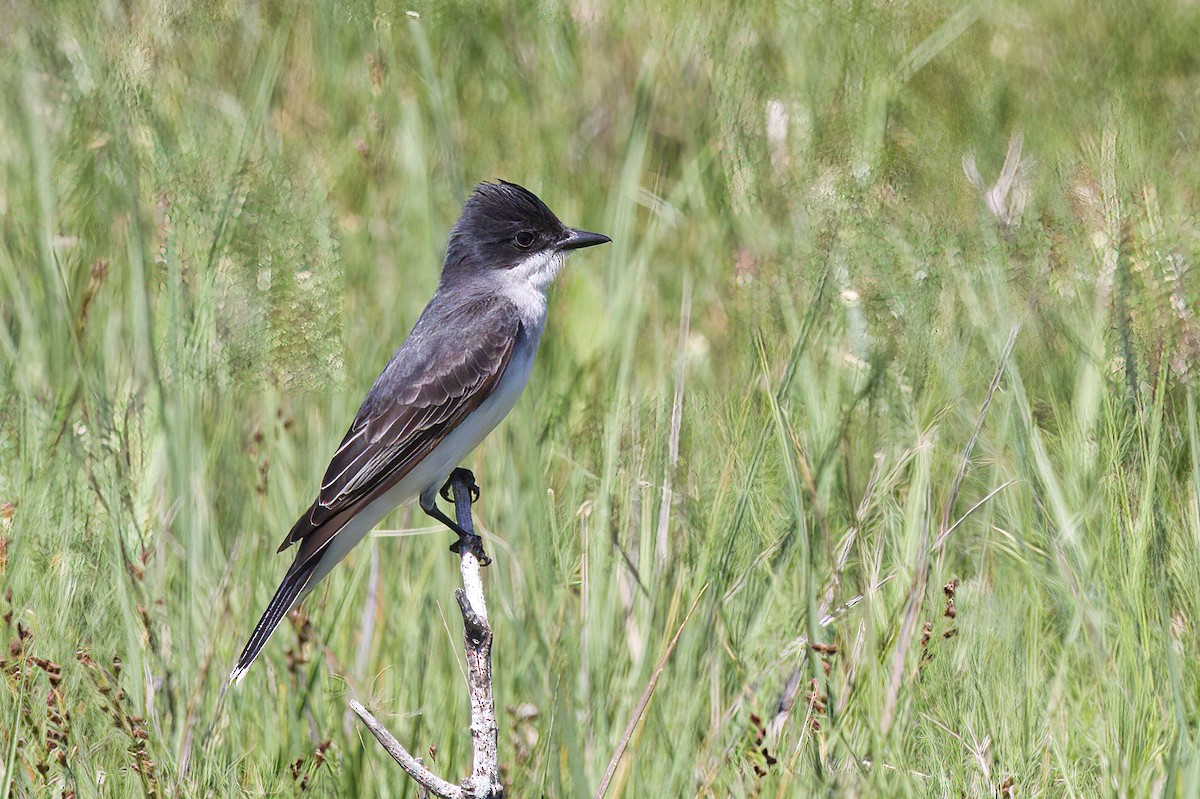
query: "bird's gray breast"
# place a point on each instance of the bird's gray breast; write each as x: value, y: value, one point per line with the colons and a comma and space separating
x: 516, y: 374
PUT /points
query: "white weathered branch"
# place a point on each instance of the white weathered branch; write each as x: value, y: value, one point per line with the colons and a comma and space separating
x: 484, y: 782
x: 423, y: 776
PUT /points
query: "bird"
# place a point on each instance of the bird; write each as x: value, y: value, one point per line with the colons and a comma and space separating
x: 457, y: 374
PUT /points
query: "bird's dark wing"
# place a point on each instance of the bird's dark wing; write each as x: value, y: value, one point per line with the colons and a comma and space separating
x: 431, y: 384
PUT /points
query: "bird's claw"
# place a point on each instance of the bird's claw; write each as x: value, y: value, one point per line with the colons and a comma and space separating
x: 467, y: 479
x: 472, y: 544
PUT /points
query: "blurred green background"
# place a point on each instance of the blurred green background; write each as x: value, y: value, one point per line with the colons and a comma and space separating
x: 835, y: 225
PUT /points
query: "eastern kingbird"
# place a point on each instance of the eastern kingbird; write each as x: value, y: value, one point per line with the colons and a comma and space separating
x: 459, y: 372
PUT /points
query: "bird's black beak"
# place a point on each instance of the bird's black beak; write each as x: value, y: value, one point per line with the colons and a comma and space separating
x: 578, y: 239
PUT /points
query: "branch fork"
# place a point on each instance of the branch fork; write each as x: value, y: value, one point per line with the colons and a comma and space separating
x: 484, y: 782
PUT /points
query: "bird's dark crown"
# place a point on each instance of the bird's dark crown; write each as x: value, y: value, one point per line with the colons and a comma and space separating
x: 501, y: 225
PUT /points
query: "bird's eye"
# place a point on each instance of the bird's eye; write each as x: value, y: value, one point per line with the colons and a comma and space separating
x: 524, y: 239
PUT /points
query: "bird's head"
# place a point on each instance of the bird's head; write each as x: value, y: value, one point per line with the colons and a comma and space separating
x: 506, y: 228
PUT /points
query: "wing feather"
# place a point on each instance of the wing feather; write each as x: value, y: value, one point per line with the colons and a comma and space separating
x: 428, y: 388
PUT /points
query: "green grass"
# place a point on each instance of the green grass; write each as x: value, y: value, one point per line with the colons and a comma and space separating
x: 218, y: 220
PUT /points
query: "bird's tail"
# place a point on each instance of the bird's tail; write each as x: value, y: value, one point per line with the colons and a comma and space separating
x: 289, y: 590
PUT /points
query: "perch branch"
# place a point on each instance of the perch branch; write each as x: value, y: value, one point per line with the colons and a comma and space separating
x: 484, y: 782
x: 423, y: 776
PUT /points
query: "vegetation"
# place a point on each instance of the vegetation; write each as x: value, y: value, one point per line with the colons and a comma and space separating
x: 773, y: 392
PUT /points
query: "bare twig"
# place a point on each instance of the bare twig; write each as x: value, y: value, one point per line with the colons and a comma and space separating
x: 423, y: 776
x: 484, y: 782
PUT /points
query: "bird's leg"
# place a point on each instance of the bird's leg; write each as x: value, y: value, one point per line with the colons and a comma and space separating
x: 467, y: 478
x: 466, y: 537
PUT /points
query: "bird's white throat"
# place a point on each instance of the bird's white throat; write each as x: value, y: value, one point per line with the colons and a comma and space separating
x: 526, y: 283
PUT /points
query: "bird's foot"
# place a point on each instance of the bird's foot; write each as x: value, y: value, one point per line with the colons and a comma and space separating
x: 466, y: 478
x: 472, y: 544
